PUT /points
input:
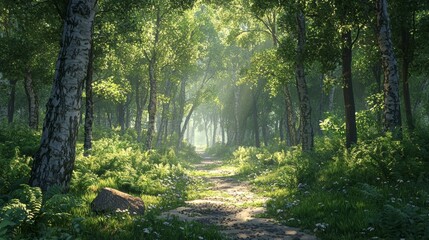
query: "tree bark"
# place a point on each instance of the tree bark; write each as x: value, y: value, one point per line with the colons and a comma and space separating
x: 33, y: 103
x: 304, y: 101
x: 392, y: 110
x: 349, y: 102
x: 54, y: 161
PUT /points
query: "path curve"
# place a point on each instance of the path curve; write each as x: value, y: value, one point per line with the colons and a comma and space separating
x: 232, y: 207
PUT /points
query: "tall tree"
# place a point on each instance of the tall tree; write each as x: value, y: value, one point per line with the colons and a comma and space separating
x: 307, y: 137
x: 54, y: 161
x: 392, y: 111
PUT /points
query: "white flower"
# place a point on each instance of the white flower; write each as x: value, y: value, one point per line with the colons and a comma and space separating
x: 146, y: 230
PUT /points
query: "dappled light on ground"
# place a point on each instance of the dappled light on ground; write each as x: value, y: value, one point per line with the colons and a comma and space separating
x: 229, y: 203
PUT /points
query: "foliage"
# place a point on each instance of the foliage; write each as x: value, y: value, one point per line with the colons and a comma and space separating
x: 378, y: 188
x: 157, y: 176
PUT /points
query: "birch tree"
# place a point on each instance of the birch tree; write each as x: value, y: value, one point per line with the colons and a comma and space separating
x: 392, y: 111
x: 54, y: 161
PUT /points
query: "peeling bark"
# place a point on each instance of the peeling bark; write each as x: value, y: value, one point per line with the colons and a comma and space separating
x: 54, y: 161
x: 392, y: 111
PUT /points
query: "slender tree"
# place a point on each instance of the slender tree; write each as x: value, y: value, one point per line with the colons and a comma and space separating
x: 392, y: 111
x: 307, y: 136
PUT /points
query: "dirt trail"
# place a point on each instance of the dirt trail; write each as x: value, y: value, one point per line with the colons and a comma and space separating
x: 233, y: 207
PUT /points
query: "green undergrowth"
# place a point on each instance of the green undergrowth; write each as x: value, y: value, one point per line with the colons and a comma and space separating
x: 377, y: 190
x: 159, y: 177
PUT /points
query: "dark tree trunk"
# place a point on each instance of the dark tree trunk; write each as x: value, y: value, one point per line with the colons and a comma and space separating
x: 304, y: 101
x: 89, y: 110
x: 406, y: 60
x: 349, y: 102
x: 54, y: 161
x: 265, y: 122
x: 120, y: 111
x: 255, y: 121
x: 11, y: 103
x: 33, y: 103
x: 392, y: 109
x: 215, y: 120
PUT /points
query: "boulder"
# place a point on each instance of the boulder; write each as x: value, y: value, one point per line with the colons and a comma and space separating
x: 111, y: 200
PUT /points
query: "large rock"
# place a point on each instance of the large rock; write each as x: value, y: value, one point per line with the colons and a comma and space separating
x: 111, y: 200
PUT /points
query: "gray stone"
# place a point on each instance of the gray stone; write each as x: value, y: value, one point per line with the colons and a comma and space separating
x: 111, y: 200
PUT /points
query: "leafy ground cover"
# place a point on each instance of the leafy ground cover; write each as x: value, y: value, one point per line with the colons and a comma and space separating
x: 376, y: 190
x: 158, y: 177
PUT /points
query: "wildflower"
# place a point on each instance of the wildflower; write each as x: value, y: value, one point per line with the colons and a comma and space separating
x: 320, y: 227
x: 147, y: 230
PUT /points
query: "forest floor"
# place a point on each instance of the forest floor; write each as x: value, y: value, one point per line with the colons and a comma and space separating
x: 225, y: 201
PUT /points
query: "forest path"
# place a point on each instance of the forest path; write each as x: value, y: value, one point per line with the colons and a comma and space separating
x: 229, y: 203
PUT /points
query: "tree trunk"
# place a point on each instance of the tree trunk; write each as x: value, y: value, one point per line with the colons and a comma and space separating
x: 33, y: 103
x: 215, y: 121
x: 331, y: 99
x: 349, y: 102
x: 181, y: 107
x: 406, y: 60
x: 255, y: 121
x: 152, y: 106
x: 153, y: 85
x: 206, y: 130
x: 291, y: 134
x: 264, y: 122
x: 120, y: 111
x: 164, y: 118
x: 11, y: 103
x: 89, y: 110
x: 185, y: 125
x: 54, y: 161
x: 392, y: 110
x: 304, y: 101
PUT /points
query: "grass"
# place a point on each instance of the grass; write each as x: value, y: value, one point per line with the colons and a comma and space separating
x: 377, y: 190
x: 160, y: 178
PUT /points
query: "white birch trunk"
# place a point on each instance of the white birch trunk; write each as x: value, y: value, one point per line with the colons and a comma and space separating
x: 392, y: 112
x: 54, y: 161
